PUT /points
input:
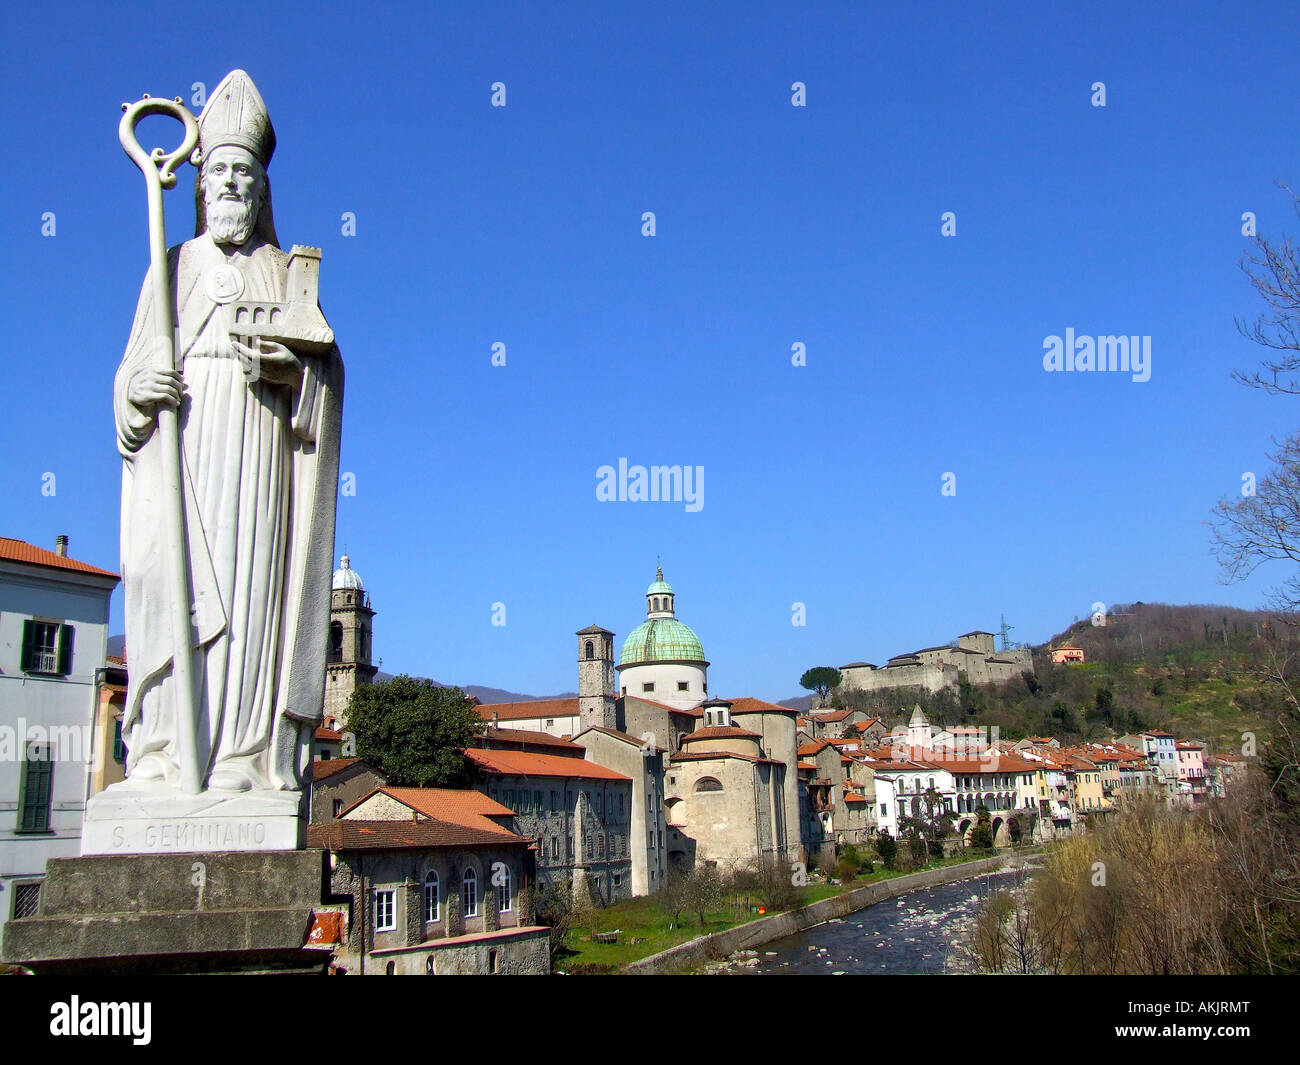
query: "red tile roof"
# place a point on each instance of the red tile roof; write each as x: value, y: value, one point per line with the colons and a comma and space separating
x: 830, y: 715
x: 342, y: 835
x: 721, y: 732
x: 463, y: 808
x: 528, y: 764
x: 323, y: 769
x: 529, y: 737
x: 567, y: 707
x: 448, y: 804
x: 323, y: 733
x: 21, y: 551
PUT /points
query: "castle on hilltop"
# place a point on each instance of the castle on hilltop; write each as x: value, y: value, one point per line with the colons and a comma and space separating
x: 936, y: 668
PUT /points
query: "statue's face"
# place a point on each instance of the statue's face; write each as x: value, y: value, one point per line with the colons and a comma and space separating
x: 233, y: 186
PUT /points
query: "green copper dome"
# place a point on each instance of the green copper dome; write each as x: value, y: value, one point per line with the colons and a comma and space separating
x: 661, y: 640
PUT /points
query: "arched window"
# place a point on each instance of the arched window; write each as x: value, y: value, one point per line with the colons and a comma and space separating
x: 503, y: 890
x: 469, y: 893
x: 432, y: 901
x: 336, y: 641
x: 708, y: 784
x: 655, y: 601
x: 591, y: 649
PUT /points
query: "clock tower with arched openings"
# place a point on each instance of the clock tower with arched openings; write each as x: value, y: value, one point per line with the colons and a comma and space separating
x: 348, y: 656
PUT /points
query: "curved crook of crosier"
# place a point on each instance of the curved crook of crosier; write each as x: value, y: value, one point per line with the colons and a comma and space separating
x: 162, y: 163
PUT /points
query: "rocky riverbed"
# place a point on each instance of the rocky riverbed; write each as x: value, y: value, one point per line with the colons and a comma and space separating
x: 917, y: 933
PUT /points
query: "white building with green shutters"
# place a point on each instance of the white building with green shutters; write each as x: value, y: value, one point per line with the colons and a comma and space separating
x: 54, y: 613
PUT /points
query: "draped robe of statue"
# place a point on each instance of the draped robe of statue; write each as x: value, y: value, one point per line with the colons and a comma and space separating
x: 259, y: 474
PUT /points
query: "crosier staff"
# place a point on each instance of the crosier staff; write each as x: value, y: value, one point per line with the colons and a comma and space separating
x: 159, y: 169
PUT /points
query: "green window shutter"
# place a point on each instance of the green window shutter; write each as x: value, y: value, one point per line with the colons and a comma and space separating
x: 29, y: 639
x: 38, y: 785
x: 65, y: 649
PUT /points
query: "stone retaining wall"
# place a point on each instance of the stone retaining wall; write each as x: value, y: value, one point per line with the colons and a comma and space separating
x: 765, y: 929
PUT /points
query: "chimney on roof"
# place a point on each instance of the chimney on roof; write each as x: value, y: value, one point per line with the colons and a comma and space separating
x: 61, y: 545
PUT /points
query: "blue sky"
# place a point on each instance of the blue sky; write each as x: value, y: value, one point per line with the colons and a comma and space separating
x: 775, y: 224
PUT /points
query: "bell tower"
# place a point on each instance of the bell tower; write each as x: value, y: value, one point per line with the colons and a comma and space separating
x: 596, y: 678
x: 348, y: 656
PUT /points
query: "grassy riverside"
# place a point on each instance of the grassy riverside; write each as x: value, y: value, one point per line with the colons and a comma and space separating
x: 644, y: 920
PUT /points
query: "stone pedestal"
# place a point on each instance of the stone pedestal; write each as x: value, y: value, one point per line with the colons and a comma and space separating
x: 206, y: 912
x: 126, y: 819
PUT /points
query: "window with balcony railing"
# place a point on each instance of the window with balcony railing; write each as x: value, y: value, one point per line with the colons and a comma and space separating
x: 46, y: 648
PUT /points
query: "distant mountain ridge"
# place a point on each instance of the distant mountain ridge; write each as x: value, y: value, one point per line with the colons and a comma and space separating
x: 485, y: 694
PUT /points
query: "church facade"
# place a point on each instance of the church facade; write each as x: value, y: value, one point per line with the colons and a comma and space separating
x: 719, y: 780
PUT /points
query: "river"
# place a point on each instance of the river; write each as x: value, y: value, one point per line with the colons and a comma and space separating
x: 914, y: 933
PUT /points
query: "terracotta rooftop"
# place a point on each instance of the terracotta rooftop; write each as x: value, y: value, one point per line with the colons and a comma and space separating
x: 527, y: 737
x: 529, y: 764
x: 323, y: 769
x: 721, y: 732
x: 567, y: 707
x: 447, y: 808
x: 21, y: 551
x: 342, y: 835
x: 450, y: 804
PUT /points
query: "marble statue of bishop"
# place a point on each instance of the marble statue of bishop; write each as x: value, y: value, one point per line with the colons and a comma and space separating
x: 259, y: 425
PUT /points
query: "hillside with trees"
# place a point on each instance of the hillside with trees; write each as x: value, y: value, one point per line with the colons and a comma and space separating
x: 1197, y: 671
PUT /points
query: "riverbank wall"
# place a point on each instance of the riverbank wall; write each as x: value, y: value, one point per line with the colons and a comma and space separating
x: 755, y: 933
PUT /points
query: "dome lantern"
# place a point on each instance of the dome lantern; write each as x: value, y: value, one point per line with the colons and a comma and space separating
x: 345, y: 577
x: 659, y: 597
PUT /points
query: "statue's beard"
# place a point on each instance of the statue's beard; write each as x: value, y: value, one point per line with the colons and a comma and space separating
x: 231, y: 221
